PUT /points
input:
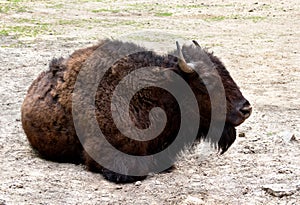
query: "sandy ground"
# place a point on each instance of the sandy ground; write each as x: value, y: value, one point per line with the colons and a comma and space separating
x: 258, y: 42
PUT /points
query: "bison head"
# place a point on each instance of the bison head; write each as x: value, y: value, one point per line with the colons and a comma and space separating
x: 202, y: 70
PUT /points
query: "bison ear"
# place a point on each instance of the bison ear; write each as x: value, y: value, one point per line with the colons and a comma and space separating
x: 185, y: 67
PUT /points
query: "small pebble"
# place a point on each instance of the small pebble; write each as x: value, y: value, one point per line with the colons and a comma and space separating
x: 193, y: 200
x: 293, y: 138
x: 242, y: 134
x: 119, y: 187
x: 138, y: 183
x: 280, y: 190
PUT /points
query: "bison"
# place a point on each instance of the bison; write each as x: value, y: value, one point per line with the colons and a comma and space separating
x: 48, y: 113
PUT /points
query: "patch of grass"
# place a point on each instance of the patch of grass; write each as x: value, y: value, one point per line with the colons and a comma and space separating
x: 18, y: 44
x: 106, y: 10
x: 67, y: 22
x: 4, y: 32
x: 107, y: 1
x: 26, y: 20
x: 240, y: 17
x: 128, y: 22
x: 256, y: 19
x: 202, y: 5
x: 15, y: 1
x: 108, y: 23
x: 24, y: 27
x: 84, y: 1
x: 269, y: 134
x: 266, y: 6
x: 56, y: 6
x: 12, y: 7
x: 223, y: 5
x: 215, y: 18
x: 194, y: 6
x: 91, y: 23
x: 163, y: 14
x: 209, y: 36
x: 77, y: 22
x: 25, y: 31
x: 253, y: 18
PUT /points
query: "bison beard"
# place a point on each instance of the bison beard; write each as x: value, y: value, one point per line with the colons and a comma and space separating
x: 227, y: 138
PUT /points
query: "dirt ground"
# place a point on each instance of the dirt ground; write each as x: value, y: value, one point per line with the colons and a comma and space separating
x: 257, y: 40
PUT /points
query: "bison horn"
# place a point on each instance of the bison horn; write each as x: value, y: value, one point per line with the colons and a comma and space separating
x: 196, y: 43
x: 185, y: 67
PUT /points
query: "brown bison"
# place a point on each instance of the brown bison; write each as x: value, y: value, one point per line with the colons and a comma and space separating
x: 48, y: 116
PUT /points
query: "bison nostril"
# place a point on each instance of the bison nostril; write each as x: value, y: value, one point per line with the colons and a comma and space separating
x: 246, y: 111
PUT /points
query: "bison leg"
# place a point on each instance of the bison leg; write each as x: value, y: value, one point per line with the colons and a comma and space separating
x: 98, y: 150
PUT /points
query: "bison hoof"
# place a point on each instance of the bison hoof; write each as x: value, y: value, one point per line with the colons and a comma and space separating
x: 120, y: 178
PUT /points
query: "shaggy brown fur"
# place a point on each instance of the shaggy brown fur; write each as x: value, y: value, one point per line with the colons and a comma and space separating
x: 47, y: 109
